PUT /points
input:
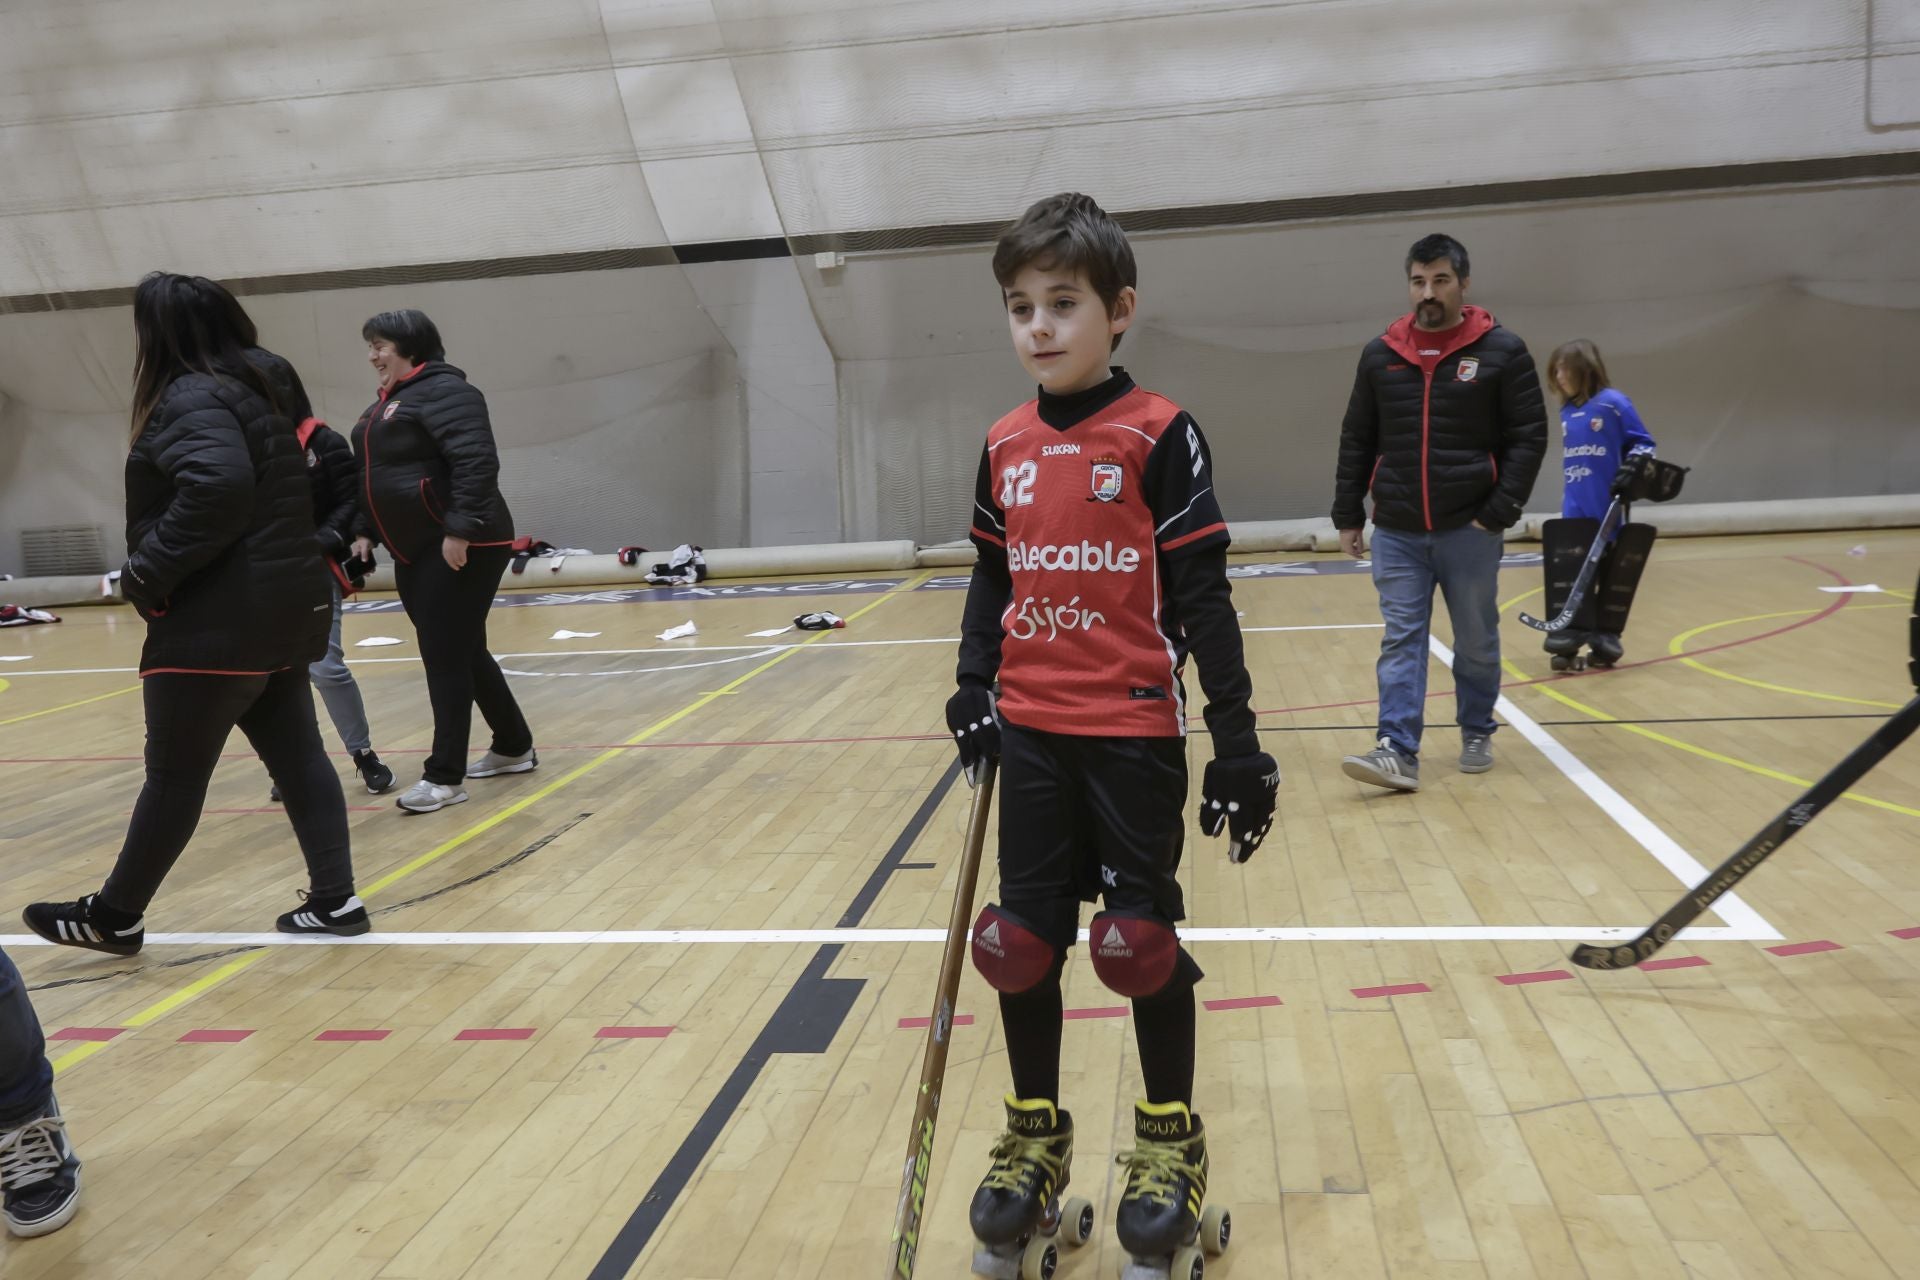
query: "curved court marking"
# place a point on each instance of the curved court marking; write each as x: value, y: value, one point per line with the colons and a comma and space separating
x: 638, y: 671
x: 1677, y: 645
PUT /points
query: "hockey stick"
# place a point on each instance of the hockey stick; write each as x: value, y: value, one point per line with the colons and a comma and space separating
x: 1616, y: 514
x: 905, y: 1246
x: 1897, y: 729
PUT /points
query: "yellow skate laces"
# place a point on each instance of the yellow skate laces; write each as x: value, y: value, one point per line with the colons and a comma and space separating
x: 1014, y: 1159
x: 1153, y: 1168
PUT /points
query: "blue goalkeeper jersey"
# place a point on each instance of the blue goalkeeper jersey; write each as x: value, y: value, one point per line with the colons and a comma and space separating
x: 1598, y: 436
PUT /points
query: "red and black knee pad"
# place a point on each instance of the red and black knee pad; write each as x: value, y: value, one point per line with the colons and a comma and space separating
x: 1009, y: 953
x: 1137, y: 954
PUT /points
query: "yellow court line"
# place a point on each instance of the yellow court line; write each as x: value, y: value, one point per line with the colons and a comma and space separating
x: 613, y: 753
x: 100, y: 697
x: 1678, y: 645
x: 160, y: 1008
x: 192, y: 989
x: 1715, y: 756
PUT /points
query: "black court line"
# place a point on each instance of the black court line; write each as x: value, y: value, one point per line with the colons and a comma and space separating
x: 806, y: 1022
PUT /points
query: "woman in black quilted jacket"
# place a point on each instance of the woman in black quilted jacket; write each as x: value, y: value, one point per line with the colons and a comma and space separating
x: 430, y: 493
x: 223, y: 565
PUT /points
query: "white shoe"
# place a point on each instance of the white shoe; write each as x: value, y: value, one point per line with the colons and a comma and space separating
x: 425, y: 797
x: 493, y: 764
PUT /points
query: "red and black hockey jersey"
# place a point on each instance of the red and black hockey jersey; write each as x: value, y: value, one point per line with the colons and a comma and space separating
x: 1085, y: 513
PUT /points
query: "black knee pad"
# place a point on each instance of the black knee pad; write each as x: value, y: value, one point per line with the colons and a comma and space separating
x: 1010, y: 953
x: 1138, y: 954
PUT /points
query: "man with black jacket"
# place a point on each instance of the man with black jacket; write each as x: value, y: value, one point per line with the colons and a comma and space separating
x: 1446, y: 428
x: 331, y: 473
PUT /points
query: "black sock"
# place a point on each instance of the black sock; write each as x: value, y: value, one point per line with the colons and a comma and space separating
x: 112, y: 917
x: 1163, y: 1026
x: 1032, y: 1020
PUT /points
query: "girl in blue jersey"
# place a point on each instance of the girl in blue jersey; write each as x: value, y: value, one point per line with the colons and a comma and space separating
x: 1601, y: 431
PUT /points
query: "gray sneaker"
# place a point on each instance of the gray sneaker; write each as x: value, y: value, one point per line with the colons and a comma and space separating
x: 1384, y: 767
x: 1476, y: 753
x: 492, y: 764
x: 425, y: 797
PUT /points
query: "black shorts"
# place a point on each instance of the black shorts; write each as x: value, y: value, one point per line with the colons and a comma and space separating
x: 1084, y: 817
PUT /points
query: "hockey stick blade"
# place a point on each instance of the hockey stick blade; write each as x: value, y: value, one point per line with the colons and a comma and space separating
x: 915, y: 1176
x: 1785, y: 825
x: 1589, y: 569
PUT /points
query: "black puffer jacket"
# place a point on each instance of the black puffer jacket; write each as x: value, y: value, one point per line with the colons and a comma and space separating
x: 330, y: 468
x: 1442, y: 436
x: 221, y: 554
x: 428, y: 466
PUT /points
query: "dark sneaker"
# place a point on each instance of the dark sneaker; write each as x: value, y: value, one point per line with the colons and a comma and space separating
x: 1384, y: 767
x: 377, y: 776
x: 342, y: 917
x: 41, y: 1174
x: 79, y: 924
x: 273, y: 793
x: 1476, y: 753
x: 493, y: 764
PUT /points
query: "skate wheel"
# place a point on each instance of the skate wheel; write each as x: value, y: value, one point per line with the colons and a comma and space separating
x: 1076, y: 1221
x: 1560, y: 662
x: 1188, y: 1264
x: 1216, y: 1230
x: 1039, y: 1261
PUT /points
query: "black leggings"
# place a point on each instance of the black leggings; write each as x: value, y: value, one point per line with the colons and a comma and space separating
x: 449, y: 610
x: 188, y: 720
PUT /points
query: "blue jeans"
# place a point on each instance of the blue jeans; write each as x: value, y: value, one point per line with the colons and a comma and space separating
x: 1465, y: 565
x: 26, y: 1077
x: 337, y: 689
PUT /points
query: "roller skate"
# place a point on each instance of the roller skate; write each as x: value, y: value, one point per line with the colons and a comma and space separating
x: 1564, y: 650
x: 1607, y: 648
x: 1017, y: 1213
x: 1162, y: 1226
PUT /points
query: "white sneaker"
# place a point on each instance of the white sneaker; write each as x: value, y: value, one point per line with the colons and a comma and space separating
x: 425, y: 797
x: 493, y: 764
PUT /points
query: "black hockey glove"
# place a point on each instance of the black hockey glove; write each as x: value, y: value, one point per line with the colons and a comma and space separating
x: 975, y: 730
x: 139, y: 593
x: 1237, y: 796
x: 1631, y: 469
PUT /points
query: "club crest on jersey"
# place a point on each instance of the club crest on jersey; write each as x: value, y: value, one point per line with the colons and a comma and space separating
x: 1107, y: 476
x: 393, y: 407
x: 1469, y: 369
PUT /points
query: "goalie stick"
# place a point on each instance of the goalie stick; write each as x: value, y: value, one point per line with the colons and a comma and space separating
x: 1615, y: 517
x: 1884, y: 740
x: 914, y: 1178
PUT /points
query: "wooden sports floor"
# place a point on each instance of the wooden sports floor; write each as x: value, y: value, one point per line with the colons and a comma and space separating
x: 642, y: 1012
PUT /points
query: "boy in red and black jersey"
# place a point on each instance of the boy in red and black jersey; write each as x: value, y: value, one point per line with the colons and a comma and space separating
x: 1102, y: 566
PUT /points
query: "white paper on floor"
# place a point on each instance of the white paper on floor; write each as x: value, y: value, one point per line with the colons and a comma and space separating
x: 1862, y: 588
x: 27, y: 657
x: 776, y: 631
x: 374, y: 642
x: 1859, y: 550
x: 564, y: 634
x: 679, y: 632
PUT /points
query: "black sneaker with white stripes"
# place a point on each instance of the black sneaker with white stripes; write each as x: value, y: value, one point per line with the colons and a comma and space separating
x: 39, y: 1172
x: 343, y: 917
x: 81, y: 924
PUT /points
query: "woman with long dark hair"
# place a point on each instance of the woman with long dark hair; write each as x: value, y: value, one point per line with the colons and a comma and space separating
x: 430, y: 483
x: 223, y: 565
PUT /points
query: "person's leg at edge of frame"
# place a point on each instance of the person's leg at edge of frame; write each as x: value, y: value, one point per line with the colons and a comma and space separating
x: 1467, y: 561
x: 39, y: 1171
x: 283, y: 730
x: 1403, y: 578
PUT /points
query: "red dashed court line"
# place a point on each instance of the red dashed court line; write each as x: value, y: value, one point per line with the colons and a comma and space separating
x: 209, y: 1035
x: 1910, y: 932
x: 1676, y: 962
x: 86, y: 1033
x: 1805, y: 948
x: 1107, y: 1011
x: 496, y: 1033
x: 1241, y: 1002
x: 1396, y: 989
x: 633, y: 1033
x: 1521, y: 979
x: 920, y: 1024
x: 344, y: 1034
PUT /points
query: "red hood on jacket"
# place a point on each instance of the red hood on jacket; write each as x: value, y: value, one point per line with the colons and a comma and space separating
x: 1401, y: 335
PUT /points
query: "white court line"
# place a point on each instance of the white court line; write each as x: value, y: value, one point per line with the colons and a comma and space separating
x: 1744, y: 921
x: 698, y: 648
x: 784, y: 937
